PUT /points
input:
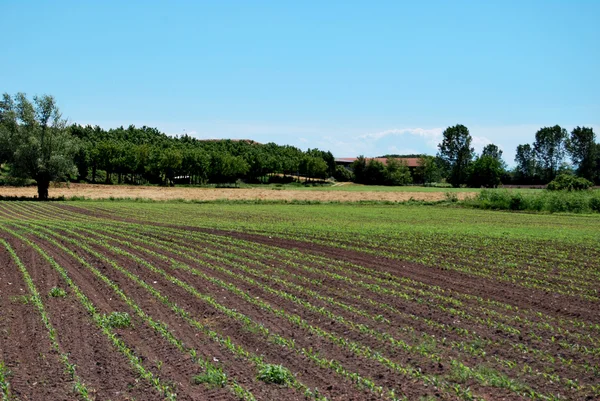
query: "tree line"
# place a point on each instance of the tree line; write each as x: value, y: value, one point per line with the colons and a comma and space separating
x: 538, y: 163
x: 38, y: 144
x: 458, y: 164
x: 145, y: 155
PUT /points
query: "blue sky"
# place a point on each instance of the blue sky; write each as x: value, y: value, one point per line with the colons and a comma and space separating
x: 352, y: 77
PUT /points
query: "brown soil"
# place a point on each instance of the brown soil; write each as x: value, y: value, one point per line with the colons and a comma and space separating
x: 341, y: 291
x: 241, y: 370
x: 88, y: 347
x: 96, y: 191
x: 36, y: 372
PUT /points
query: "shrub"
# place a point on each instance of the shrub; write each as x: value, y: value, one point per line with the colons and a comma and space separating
x: 568, y: 182
x: 118, y: 320
x: 547, y: 201
x: 451, y: 197
x: 57, y: 292
x: 274, y: 374
x: 595, y: 204
x: 517, y: 202
x: 213, y: 377
x: 343, y: 174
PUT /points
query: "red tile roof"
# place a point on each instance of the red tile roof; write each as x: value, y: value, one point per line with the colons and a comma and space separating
x: 410, y: 161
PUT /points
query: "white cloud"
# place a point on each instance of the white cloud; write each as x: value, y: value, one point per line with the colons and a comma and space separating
x: 479, y: 143
x: 395, y: 150
x: 433, y: 136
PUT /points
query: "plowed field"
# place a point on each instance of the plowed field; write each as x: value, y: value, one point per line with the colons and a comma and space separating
x: 123, y: 301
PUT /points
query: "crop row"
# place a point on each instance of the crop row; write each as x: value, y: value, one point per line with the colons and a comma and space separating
x: 459, y: 346
x: 512, y: 255
x: 520, y: 320
x: 296, y: 278
x: 78, y: 385
x: 239, y: 351
x: 328, y: 300
x: 506, y: 383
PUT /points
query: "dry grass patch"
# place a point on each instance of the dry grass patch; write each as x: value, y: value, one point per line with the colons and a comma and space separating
x: 95, y: 191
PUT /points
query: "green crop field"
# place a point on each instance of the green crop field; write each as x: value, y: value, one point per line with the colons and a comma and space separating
x: 264, y: 301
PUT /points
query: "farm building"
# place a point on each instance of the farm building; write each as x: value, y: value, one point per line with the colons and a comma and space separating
x: 411, y: 162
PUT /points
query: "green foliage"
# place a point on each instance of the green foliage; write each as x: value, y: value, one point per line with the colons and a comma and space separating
x: 274, y: 374
x: 581, y: 145
x: 342, y: 174
x: 117, y: 320
x: 492, y: 151
x: 486, y: 171
x: 526, y: 170
x: 456, y: 153
x: 313, y: 167
x: 397, y: 172
x: 144, y: 155
x: 213, y: 377
x: 541, y: 201
x: 549, y: 148
x: 567, y: 182
x: 57, y: 292
x: 428, y: 171
x: 170, y: 160
x: 34, y: 139
x: 373, y: 172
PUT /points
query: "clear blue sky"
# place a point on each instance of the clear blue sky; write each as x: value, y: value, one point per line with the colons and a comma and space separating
x: 352, y: 77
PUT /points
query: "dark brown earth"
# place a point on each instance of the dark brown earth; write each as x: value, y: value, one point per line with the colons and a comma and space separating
x: 406, y: 318
x: 36, y: 372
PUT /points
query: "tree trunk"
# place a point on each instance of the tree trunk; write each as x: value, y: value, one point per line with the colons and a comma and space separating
x: 43, y: 185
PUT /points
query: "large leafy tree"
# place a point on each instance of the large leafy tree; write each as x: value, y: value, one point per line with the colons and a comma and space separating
x: 549, y: 147
x: 35, y: 140
x: 397, y: 172
x: 456, y: 152
x: 313, y: 167
x: 493, y: 151
x: 428, y: 170
x: 526, y: 168
x: 486, y: 171
x: 359, y: 168
x: 581, y: 145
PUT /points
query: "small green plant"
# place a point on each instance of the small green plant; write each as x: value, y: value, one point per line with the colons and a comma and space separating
x: 22, y: 299
x: 451, y: 197
x: 274, y: 374
x: 4, y: 386
x: 57, y: 292
x: 118, y: 320
x: 213, y: 377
